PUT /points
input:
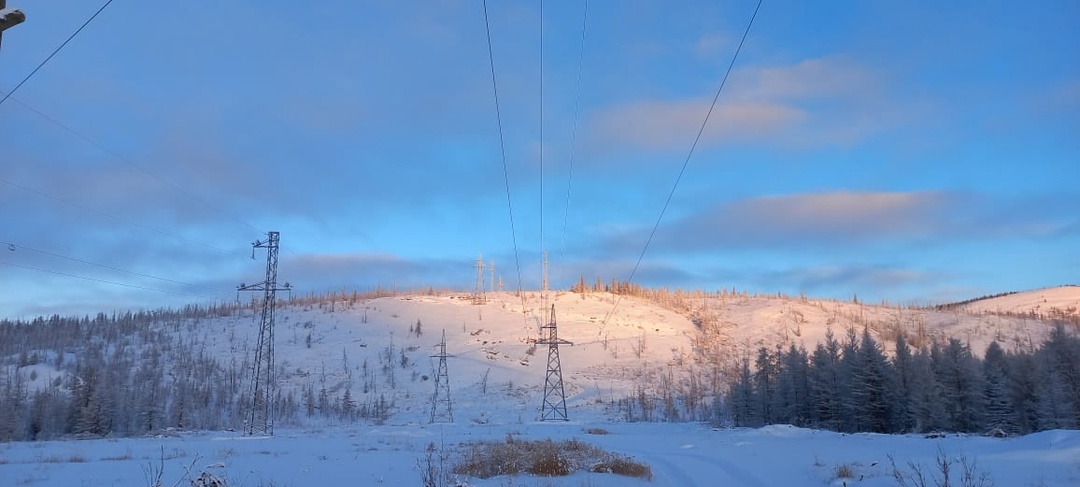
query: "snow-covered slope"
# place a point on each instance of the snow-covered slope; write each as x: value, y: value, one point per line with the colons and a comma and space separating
x: 1049, y: 302
x: 371, y: 347
x: 497, y: 371
x: 624, y: 348
x: 678, y: 454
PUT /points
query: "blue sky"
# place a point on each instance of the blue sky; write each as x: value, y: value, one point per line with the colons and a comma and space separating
x: 915, y: 152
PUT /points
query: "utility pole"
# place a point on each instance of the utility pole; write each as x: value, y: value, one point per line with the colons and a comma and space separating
x: 263, y: 382
x: 9, y: 17
x: 441, y: 408
x: 554, y: 405
x: 491, y: 267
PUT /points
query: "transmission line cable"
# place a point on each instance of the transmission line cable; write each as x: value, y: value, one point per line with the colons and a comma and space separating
x: 573, y: 131
x: 686, y: 162
x: 119, y: 219
x: 106, y: 281
x: 131, y: 163
x: 55, y: 51
x: 543, y: 304
x: 12, y: 246
x: 502, y: 152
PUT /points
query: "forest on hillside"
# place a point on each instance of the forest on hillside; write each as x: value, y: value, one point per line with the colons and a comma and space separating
x: 146, y: 372
x: 851, y: 386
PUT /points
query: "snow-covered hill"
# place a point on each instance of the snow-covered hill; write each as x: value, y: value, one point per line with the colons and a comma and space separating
x: 372, y: 356
x: 614, y: 354
x: 1054, y: 302
x: 380, y: 349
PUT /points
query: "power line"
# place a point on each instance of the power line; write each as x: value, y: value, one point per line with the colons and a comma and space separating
x: 129, y: 162
x: 502, y: 151
x: 106, y: 281
x: 693, y: 146
x: 573, y: 132
x: 543, y: 260
x: 12, y: 246
x: 72, y: 36
x: 122, y: 220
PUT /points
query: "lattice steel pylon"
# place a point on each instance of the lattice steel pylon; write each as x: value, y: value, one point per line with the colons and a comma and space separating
x: 441, y: 407
x: 480, y: 291
x: 263, y: 382
x: 554, y: 405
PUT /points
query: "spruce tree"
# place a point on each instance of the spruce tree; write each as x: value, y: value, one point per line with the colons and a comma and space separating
x: 869, y: 383
x: 902, y: 387
x: 999, y: 408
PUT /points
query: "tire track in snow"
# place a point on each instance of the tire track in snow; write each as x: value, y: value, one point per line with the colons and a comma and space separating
x: 677, y: 469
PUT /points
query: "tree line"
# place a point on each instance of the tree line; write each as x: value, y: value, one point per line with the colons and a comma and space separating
x: 851, y: 385
x: 146, y: 372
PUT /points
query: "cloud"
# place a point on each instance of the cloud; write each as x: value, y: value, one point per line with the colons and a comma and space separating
x: 834, y: 77
x: 832, y: 278
x: 811, y: 103
x: 364, y: 270
x: 712, y: 43
x: 659, y: 125
x: 809, y: 219
x: 846, y: 219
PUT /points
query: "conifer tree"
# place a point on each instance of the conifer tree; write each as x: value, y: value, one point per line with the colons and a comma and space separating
x: 999, y: 408
x: 902, y: 387
x: 869, y: 387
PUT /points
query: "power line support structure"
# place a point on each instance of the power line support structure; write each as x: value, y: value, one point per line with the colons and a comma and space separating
x: 554, y: 405
x: 480, y: 291
x: 9, y: 18
x: 441, y: 408
x: 263, y: 383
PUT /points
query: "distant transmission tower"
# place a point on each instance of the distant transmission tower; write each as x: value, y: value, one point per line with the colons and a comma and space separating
x: 441, y: 408
x: 480, y: 292
x: 262, y: 379
x: 554, y: 405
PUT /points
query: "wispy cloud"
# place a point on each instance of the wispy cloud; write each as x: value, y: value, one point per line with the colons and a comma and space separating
x: 808, y: 219
x: 814, y: 102
x: 830, y: 278
x: 364, y: 270
x: 661, y: 125
x: 846, y: 219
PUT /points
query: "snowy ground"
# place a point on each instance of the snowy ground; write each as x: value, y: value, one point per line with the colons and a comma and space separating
x: 679, y: 454
x: 495, y: 379
x: 1051, y: 302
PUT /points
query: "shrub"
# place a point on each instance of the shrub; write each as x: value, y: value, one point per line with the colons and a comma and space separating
x: 624, y: 466
x: 546, y: 458
x: 844, y: 472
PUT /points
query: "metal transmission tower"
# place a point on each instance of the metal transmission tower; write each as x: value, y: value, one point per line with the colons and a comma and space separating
x: 554, y: 406
x: 262, y: 379
x: 441, y: 408
x: 480, y: 292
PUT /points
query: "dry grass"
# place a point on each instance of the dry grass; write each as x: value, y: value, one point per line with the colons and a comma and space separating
x: 544, y: 458
x: 624, y: 466
x: 56, y: 459
x: 596, y: 431
x: 126, y: 456
x: 844, y: 472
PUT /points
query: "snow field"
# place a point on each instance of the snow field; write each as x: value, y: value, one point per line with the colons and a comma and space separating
x: 679, y: 454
